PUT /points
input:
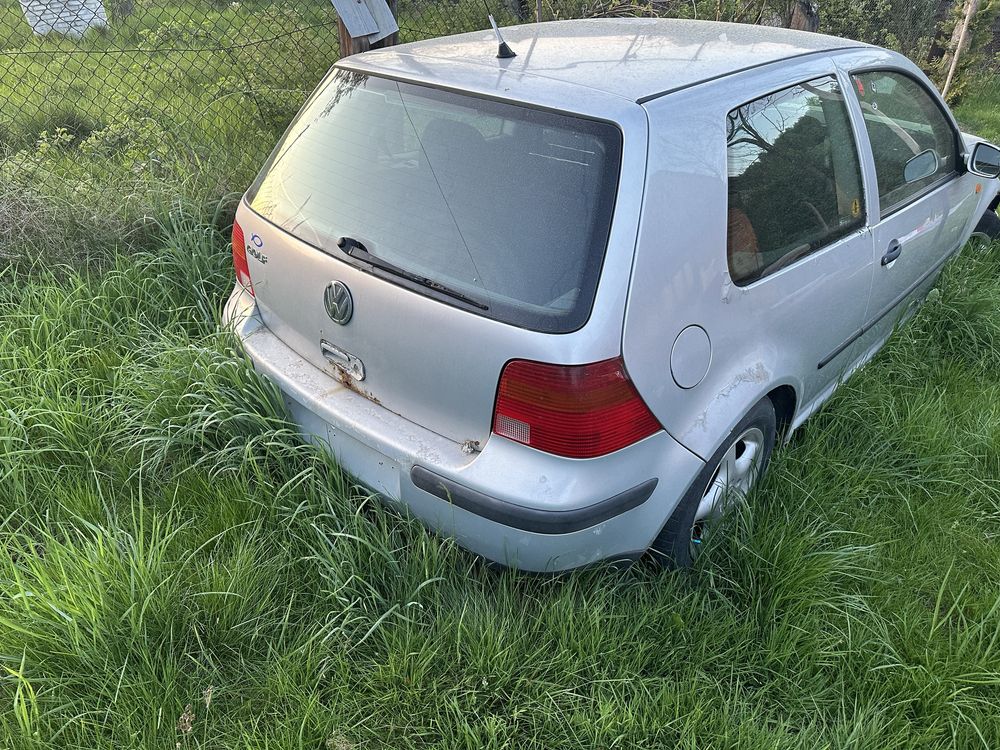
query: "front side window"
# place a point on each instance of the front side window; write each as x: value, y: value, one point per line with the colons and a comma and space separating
x: 506, y: 206
x: 794, y: 177
x: 913, y: 143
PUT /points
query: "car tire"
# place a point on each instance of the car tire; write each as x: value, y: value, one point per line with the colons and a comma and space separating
x: 677, y: 543
x: 988, y: 227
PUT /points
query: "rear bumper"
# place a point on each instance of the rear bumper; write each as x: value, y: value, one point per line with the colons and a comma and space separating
x: 509, y: 503
x: 535, y: 520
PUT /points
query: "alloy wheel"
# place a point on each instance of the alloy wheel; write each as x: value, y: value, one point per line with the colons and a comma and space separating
x: 731, y: 481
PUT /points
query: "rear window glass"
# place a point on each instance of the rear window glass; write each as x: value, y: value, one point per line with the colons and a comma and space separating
x: 506, y: 205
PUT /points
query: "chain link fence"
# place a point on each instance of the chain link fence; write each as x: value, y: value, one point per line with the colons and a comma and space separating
x: 110, y: 107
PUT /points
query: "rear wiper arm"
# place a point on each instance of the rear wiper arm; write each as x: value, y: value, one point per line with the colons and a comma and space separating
x: 355, y: 249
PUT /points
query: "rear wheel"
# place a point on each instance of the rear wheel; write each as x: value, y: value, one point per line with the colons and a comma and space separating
x: 727, y: 479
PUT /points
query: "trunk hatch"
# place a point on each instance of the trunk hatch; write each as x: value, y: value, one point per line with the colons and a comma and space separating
x: 453, y: 222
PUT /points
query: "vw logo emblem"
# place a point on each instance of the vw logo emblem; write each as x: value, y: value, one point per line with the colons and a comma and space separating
x: 338, y: 302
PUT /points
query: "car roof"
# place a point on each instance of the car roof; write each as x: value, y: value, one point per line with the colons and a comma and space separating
x: 632, y: 58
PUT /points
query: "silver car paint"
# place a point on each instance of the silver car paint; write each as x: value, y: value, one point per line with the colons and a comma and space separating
x: 439, y: 366
x: 561, y: 62
x: 930, y: 229
x: 776, y: 331
x: 770, y: 333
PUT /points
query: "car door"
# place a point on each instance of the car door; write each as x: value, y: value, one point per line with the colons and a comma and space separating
x: 924, y: 202
x: 797, y: 219
x: 754, y: 255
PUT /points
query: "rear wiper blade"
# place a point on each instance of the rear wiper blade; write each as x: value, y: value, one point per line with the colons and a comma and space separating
x: 356, y: 250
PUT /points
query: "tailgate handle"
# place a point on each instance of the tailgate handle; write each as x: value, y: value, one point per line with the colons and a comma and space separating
x: 343, y: 360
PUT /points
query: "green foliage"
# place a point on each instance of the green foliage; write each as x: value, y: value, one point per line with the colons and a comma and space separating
x: 973, y: 71
x: 174, y: 33
x: 979, y: 110
x: 177, y: 566
x: 185, y: 98
x: 907, y: 27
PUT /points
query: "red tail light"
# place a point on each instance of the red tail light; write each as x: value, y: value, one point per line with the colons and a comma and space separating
x: 240, y: 259
x: 577, y: 411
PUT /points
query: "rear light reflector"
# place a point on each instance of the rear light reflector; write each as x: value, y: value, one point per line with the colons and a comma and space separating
x: 240, y: 259
x: 577, y: 411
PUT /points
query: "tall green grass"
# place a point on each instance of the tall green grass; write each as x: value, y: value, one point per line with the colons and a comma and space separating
x: 177, y: 567
x: 979, y: 109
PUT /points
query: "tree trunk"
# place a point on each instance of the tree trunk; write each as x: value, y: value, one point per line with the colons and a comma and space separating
x: 805, y: 16
x: 351, y: 46
x: 959, y: 43
x: 393, y: 39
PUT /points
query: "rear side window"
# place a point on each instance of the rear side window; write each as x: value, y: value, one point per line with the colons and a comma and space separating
x: 509, y: 208
x: 913, y: 143
x: 794, y: 178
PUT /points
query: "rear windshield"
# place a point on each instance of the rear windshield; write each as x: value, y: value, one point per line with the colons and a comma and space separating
x: 508, y: 206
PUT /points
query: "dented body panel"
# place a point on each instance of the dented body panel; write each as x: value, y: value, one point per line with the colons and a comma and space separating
x: 764, y: 335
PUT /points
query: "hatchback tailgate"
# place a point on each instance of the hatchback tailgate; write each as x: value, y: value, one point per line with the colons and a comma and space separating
x: 431, y: 363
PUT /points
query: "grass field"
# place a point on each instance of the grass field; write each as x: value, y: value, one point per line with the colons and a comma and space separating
x: 169, y: 542
x: 979, y: 112
x: 177, y: 569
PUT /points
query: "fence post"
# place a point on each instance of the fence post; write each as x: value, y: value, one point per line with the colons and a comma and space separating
x: 371, y: 18
x: 350, y: 45
x: 971, y: 6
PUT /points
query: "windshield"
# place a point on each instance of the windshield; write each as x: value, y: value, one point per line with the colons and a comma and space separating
x: 506, y: 205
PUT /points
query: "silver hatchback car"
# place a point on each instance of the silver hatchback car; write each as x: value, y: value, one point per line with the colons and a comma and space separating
x: 560, y: 306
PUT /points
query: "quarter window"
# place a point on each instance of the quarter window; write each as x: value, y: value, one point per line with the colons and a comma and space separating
x: 794, y: 177
x: 913, y: 143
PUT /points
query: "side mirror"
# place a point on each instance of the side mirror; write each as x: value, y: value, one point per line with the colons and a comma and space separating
x: 920, y: 166
x: 984, y: 160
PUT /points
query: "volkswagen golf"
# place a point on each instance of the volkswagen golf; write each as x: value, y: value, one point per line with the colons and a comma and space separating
x: 561, y: 304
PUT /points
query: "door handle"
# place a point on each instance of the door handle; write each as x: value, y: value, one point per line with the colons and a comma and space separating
x: 892, y: 253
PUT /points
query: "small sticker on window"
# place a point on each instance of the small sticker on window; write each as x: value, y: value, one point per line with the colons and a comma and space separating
x: 856, y: 208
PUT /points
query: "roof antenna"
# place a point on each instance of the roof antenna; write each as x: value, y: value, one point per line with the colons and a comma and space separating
x: 503, y: 52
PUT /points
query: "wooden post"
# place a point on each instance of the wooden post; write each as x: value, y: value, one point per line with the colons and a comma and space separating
x: 805, y: 16
x: 971, y: 6
x: 348, y: 44
x: 393, y: 39
x: 367, y: 19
